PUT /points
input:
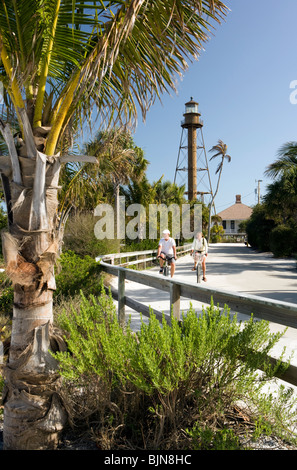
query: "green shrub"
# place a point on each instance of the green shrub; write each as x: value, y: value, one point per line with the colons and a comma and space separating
x: 163, y: 378
x: 283, y: 240
x: 216, y: 233
x: 79, y: 237
x: 259, y: 227
x: 207, y: 439
x: 77, y: 274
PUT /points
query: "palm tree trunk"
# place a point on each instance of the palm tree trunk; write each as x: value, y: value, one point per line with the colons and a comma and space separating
x: 33, y: 411
x: 211, y: 204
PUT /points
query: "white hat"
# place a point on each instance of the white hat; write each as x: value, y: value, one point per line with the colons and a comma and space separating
x: 166, y: 231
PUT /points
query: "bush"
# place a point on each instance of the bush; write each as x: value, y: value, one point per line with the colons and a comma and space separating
x: 80, y: 238
x: 146, y: 387
x: 216, y: 233
x: 283, y: 241
x: 259, y: 227
x: 77, y: 274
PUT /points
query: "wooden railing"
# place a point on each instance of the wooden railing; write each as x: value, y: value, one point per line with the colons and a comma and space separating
x: 139, y: 257
x: 282, y: 313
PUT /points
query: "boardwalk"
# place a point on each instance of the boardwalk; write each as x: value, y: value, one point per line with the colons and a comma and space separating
x: 231, y: 267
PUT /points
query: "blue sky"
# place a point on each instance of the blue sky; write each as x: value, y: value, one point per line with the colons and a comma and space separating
x: 242, y: 84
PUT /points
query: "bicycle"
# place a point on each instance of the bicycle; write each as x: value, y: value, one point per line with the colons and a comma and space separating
x: 167, y: 259
x: 199, y: 270
x: 198, y: 256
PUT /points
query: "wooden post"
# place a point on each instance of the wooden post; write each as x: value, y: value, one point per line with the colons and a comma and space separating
x: 175, y: 300
x: 121, y: 297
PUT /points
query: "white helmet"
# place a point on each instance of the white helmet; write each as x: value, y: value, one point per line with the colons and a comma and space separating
x: 166, y: 231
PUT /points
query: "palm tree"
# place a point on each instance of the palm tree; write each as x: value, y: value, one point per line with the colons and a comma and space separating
x: 286, y: 161
x: 281, y: 194
x: 168, y: 192
x: 61, y: 60
x: 219, y: 150
x: 85, y: 185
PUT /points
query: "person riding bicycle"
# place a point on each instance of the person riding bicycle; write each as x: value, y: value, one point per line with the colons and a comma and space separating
x: 200, y: 248
x: 167, y: 250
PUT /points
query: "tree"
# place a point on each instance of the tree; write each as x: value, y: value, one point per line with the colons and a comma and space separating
x: 170, y: 193
x: 60, y: 60
x: 259, y: 227
x: 286, y: 162
x: 85, y: 185
x: 220, y: 151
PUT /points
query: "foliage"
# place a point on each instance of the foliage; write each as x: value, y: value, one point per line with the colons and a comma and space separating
x: 140, y: 245
x: 164, y: 378
x: 283, y: 240
x: 273, y: 224
x: 66, y: 58
x: 84, y: 186
x: 80, y: 238
x: 258, y: 228
x: 216, y: 233
x: 206, y: 439
x: 77, y: 274
x: 266, y: 231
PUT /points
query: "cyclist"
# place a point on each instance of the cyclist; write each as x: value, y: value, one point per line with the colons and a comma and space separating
x: 200, y: 248
x: 167, y: 249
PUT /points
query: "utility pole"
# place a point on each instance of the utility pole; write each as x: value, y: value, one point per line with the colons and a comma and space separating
x: 259, y: 181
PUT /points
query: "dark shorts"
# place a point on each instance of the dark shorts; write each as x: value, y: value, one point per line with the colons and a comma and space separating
x: 170, y: 258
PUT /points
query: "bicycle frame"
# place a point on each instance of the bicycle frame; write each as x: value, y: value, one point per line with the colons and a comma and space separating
x: 199, y: 271
x: 165, y: 265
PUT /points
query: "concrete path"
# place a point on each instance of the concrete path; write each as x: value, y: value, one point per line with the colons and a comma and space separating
x: 230, y: 267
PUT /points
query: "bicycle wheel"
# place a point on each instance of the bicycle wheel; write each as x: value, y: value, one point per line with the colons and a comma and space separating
x: 199, y: 271
x: 165, y: 270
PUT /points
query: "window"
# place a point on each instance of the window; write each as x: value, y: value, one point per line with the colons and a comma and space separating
x: 232, y: 224
x: 224, y: 224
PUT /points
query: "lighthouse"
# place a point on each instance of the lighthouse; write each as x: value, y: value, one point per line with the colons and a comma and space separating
x: 192, y: 122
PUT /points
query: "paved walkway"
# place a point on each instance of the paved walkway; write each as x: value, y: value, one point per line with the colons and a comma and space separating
x: 230, y: 267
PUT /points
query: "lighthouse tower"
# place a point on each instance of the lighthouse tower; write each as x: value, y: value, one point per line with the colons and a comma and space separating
x: 193, y: 143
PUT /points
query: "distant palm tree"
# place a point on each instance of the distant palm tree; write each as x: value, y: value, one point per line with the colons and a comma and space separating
x: 170, y: 193
x: 282, y: 193
x: 87, y: 185
x: 220, y: 151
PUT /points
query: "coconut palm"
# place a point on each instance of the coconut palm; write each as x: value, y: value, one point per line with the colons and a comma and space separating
x: 60, y: 61
x: 218, y: 150
x: 282, y: 194
x: 168, y: 193
x: 86, y: 185
x: 286, y: 161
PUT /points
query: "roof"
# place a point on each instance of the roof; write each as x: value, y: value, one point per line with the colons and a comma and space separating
x: 237, y: 211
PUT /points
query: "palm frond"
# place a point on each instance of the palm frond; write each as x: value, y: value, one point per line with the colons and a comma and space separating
x: 286, y: 162
x: 113, y: 56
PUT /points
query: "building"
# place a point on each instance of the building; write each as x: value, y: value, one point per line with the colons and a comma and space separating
x: 234, y: 215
